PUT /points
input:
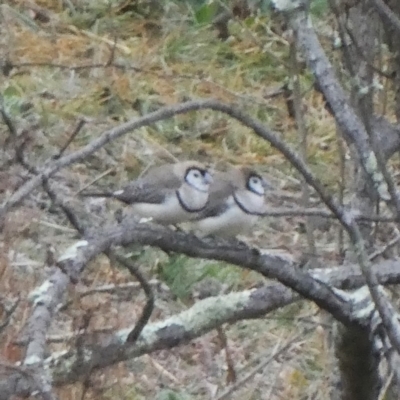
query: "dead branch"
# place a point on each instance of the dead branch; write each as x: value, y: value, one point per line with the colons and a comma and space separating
x: 148, y: 308
x: 72, y: 136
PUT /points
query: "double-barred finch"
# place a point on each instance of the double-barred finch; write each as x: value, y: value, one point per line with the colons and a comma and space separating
x: 169, y: 194
x: 237, y: 199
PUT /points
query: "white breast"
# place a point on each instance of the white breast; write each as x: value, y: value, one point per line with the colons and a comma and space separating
x: 192, y: 198
x: 229, y: 224
x: 169, y: 212
x: 252, y: 202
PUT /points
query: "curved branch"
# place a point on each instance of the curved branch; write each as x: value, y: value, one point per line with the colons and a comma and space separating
x: 234, y: 252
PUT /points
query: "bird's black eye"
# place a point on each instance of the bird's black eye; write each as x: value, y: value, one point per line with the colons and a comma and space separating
x: 196, y: 174
x: 255, y: 184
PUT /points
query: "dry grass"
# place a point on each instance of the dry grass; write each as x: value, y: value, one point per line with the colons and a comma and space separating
x: 173, y: 59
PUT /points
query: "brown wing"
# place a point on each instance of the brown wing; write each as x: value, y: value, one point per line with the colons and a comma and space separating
x: 145, y: 193
x: 135, y: 193
x: 153, y: 187
x: 219, y: 192
x: 162, y: 176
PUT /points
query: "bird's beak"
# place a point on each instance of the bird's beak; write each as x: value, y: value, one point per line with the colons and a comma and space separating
x: 208, y: 178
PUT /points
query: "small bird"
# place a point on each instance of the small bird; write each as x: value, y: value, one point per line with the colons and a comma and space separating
x: 168, y: 194
x: 236, y: 201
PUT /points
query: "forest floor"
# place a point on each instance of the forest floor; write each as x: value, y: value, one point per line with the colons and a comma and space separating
x: 105, y: 64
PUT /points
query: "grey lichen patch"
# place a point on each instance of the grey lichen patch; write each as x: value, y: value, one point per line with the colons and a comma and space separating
x: 278, y: 254
x: 342, y: 294
x: 364, y: 90
x: 203, y: 315
x: 122, y: 335
x: 363, y: 304
x: 32, y: 360
x: 55, y: 358
x: 371, y: 166
x: 286, y: 5
x: 41, y: 295
x: 350, y: 216
x: 309, y: 22
x: 65, y: 362
x: 72, y: 251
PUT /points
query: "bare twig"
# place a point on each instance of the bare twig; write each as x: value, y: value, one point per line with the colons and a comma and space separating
x: 65, y: 207
x: 124, y: 67
x: 320, y: 212
x: 20, y: 155
x: 276, y: 352
x: 387, y: 14
x: 148, y: 309
x: 102, y: 175
x: 365, y: 59
x: 78, y: 128
x: 342, y: 186
x: 302, y: 132
x: 38, y: 328
x: 388, y: 245
x: 125, y: 287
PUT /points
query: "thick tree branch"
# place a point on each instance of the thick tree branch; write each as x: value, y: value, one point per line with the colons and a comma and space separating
x: 131, y: 231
